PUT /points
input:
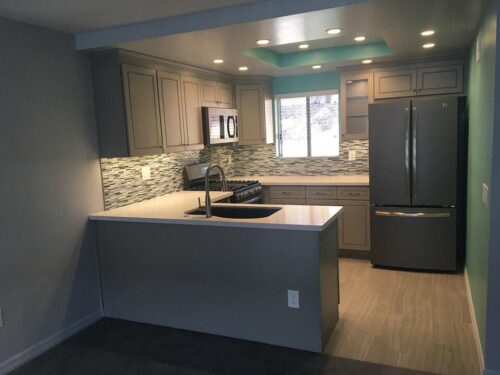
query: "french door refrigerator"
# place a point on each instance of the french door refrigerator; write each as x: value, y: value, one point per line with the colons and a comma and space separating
x: 417, y: 182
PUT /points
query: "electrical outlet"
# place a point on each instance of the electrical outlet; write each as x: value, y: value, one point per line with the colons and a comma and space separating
x: 352, y: 154
x: 484, y: 194
x: 1, y: 318
x: 293, y: 299
x: 146, y: 173
x: 229, y: 159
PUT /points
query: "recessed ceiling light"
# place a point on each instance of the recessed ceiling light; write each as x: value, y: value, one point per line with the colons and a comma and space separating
x: 316, y: 66
x: 243, y: 68
x: 367, y: 61
x: 263, y: 42
x: 427, y: 33
x: 334, y: 31
x: 360, y: 38
x: 303, y: 46
x: 218, y: 61
x: 428, y: 45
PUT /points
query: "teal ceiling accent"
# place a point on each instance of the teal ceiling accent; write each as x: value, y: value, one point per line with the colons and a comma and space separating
x: 319, y: 56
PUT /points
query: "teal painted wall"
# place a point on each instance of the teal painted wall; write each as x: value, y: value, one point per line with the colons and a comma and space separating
x: 481, y: 108
x: 306, y: 82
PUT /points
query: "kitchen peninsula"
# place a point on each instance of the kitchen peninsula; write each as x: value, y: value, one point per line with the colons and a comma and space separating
x: 271, y: 279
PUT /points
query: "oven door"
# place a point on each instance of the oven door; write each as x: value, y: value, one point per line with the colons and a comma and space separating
x: 254, y: 199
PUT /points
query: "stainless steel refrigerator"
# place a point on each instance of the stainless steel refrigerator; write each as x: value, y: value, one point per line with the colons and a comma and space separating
x: 417, y: 182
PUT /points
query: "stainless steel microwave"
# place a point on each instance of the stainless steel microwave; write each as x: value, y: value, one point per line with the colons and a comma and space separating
x: 220, y: 125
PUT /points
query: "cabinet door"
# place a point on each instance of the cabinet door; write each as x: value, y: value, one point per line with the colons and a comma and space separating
x: 225, y: 95
x: 354, y: 225
x: 142, y: 110
x: 250, y: 103
x: 192, y: 113
x: 440, y: 80
x: 169, y: 86
x: 357, y: 93
x: 209, y: 93
x: 394, y: 84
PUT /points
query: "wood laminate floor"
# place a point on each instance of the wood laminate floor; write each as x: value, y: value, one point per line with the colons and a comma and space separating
x: 405, y: 319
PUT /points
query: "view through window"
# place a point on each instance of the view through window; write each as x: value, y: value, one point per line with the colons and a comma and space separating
x: 308, y: 125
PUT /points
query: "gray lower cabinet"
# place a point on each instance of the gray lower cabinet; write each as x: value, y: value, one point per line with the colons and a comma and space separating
x: 354, y: 221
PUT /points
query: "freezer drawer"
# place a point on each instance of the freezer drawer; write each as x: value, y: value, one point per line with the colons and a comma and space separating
x: 420, y: 238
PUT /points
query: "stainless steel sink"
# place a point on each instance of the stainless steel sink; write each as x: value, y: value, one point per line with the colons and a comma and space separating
x: 237, y: 212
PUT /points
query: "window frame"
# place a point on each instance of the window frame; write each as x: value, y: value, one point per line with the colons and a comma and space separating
x: 307, y: 95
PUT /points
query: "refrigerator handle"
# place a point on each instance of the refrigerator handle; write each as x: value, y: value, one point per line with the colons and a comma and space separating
x: 411, y: 214
x: 407, y: 152
x: 414, y: 153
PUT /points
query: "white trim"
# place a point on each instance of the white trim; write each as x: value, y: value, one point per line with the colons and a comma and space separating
x: 42, y: 346
x: 477, y: 340
x: 306, y: 93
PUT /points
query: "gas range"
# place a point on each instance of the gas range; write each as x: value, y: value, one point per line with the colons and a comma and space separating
x: 244, y: 191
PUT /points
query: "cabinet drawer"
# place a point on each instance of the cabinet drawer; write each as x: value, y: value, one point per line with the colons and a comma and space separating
x: 321, y: 192
x: 288, y: 192
x: 353, y: 193
x: 322, y: 202
x: 294, y: 201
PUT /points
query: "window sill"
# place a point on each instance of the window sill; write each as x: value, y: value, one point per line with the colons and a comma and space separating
x: 302, y: 158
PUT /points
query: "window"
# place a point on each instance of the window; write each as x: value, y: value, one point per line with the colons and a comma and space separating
x: 308, y: 124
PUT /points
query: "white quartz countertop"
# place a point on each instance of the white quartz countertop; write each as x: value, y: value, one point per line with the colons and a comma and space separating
x: 355, y: 180
x: 171, y: 208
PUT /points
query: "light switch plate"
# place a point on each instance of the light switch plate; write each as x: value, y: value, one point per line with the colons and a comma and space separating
x: 484, y: 194
x: 146, y: 173
x: 352, y: 154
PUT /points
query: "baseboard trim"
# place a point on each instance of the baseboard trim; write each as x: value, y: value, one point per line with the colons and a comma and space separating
x: 355, y: 254
x: 477, y: 340
x: 42, y: 346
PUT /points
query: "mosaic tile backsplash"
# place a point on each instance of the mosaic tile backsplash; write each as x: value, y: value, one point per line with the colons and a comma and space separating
x: 123, y: 184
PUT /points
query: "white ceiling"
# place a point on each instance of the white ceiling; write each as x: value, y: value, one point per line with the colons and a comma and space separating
x: 85, y: 15
x: 398, y: 22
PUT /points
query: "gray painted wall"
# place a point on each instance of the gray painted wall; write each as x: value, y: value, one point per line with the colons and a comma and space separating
x: 50, y: 182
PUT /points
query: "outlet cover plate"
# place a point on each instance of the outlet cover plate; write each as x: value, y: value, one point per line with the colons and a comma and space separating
x: 293, y: 299
x: 484, y: 194
x: 352, y: 155
x: 146, y: 173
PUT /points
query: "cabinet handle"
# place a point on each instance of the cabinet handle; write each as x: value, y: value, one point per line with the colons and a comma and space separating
x: 287, y: 192
x: 411, y: 214
x: 353, y: 194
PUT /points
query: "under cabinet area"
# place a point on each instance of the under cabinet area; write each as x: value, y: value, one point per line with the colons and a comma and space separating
x: 353, y: 222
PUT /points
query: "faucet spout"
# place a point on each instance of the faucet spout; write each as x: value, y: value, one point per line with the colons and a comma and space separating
x: 208, y: 201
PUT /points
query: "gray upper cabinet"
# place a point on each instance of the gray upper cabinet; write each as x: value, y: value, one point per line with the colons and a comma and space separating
x: 356, y: 94
x: 216, y: 94
x: 440, y: 80
x: 142, y: 111
x: 422, y: 80
x: 146, y: 105
x: 255, y: 119
x: 171, y: 111
x: 191, y: 89
x: 393, y: 84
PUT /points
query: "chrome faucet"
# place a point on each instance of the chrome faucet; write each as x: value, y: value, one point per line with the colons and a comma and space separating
x: 208, y: 201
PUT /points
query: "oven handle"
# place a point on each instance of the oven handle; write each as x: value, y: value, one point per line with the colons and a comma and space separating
x: 255, y: 199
